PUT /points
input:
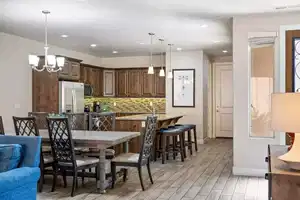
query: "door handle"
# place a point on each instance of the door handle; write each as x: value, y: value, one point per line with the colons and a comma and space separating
x: 217, y: 109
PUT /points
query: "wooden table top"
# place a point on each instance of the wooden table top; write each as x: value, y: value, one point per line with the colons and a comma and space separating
x: 99, y: 139
x: 143, y: 117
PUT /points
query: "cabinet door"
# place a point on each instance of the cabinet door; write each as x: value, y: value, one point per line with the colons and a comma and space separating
x: 64, y: 73
x: 99, y: 82
x: 148, y: 83
x: 108, y: 83
x: 74, y: 71
x: 160, y: 84
x: 134, y: 83
x: 121, y: 83
x: 44, y: 92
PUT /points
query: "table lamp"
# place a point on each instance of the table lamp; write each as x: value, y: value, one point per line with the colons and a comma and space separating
x: 285, y: 117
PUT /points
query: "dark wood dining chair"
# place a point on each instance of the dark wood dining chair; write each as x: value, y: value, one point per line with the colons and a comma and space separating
x: 1, y: 126
x: 62, y: 146
x: 27, y: 126
x: 78, y: 121
x: 138, y: 160
x: 40, y: 117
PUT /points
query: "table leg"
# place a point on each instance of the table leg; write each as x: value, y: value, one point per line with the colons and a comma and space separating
x: 101, y: 183
x: 126, y: 147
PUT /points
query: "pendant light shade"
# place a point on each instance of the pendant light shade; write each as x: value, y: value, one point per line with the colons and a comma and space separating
x: 170, y: 74
x: 161, y: 71
x: 150, y: 68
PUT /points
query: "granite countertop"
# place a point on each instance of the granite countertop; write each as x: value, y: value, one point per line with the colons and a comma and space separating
x: 143, y: 117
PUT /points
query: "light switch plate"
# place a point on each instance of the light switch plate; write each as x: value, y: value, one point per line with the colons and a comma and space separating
x: 17, y: 106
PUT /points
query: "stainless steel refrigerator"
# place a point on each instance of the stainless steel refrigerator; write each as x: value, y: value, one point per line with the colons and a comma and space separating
x: 71, y: 97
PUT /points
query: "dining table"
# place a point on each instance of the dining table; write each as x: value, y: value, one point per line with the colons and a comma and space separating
x: 100, y: 140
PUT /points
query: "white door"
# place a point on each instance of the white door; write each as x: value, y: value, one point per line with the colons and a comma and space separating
x: 223, y: 100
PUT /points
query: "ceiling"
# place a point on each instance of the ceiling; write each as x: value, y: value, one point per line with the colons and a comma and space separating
x: 122, y: 25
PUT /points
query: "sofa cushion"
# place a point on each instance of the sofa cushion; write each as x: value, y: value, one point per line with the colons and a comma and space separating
x: 10, y: 156
x: 19, y: 177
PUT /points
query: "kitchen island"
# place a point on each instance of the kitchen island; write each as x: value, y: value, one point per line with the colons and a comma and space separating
x: 136, y: 123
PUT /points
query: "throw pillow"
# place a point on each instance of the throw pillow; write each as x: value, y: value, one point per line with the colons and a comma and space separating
x: 10, y: 156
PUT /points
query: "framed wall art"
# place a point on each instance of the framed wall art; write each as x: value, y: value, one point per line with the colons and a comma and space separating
x: 183, y: 88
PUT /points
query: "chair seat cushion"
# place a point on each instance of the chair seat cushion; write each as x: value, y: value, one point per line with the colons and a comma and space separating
x: 48, y: 159
x: 127, y: 157
x: 80, y: 161
x: 10, y: 156
x: 171, y: 130
x: 186, y: 125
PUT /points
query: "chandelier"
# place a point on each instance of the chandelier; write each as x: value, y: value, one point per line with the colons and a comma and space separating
x: 52, y: 63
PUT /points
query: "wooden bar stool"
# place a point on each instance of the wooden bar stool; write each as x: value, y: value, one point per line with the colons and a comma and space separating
x: 166, y: 148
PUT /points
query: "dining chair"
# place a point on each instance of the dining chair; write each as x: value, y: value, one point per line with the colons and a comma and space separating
x: 140, y: 159
x: 78, y: 121
x: 27, y: 126
x: 1, y: 126
x: 105, y: 121
x: 41, y: 121
x: 62, y: 146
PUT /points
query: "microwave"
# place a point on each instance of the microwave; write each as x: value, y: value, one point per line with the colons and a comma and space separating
x: 88, y: 90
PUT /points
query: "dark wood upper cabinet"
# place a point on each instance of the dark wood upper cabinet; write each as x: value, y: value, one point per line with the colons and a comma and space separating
x: 134, y: 83
x: 71, y: 70
x: 148, y: 83
x: 160, y: 84
x: 121, y: 83
x: 93, y: 76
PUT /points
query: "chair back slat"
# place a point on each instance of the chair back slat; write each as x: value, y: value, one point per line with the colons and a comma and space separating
x: 1, y: 126
x: 78, y: 121
x: 40, y: 119
x: 62, y: 144
x: 26, y: 126
x: 148, y: 139
x: 102, y: 121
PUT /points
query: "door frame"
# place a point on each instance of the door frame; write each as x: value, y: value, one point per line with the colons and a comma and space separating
x: 212, y: 96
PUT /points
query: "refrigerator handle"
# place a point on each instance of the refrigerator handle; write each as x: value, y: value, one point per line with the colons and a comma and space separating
x: 74, y: 103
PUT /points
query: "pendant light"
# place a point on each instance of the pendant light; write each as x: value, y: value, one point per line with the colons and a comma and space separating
x: 170, y: 74
x: 52, y: 63
x: 161, y: 71
x: 151, y: 69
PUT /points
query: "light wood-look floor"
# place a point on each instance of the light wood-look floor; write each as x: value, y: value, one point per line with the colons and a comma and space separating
x: 204, y: 176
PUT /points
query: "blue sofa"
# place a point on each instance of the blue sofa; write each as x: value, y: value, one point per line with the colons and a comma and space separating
x: 21, y: 183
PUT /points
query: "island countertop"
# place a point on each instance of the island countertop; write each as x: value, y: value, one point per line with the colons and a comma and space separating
x: 143, y: 117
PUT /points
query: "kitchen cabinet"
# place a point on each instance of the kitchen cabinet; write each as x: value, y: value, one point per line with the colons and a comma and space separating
x: 134, y: 83
x: 93, y: 76
x: 138, y: 83
x: 160, y: 84
x: 121, y: 83
x: 108, y: 82
x: 71, y: 70
x: 44, y: 91
x: 148, y: 83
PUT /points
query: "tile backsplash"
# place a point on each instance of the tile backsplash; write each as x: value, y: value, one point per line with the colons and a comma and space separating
x: 133, y: 105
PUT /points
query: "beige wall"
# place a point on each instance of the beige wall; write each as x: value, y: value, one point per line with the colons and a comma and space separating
x: 188, y: 60
x: 206, y: 66
x: 251, y: 162
x: 16, y: 75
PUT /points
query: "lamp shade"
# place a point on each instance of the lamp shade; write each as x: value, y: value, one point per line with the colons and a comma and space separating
x: 33, y: 60
x: 150, y: 70
x: 51, y: 60
x: 60, y: 61
x: 285, y: 112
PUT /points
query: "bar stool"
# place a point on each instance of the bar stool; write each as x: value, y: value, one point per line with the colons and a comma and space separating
x: 165, y: 147
x: 189, y: 128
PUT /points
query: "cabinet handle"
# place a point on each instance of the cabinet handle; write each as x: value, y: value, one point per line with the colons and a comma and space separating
x: 266, y: 159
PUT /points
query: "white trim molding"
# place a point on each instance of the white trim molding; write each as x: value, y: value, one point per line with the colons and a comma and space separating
x: 249, y: 172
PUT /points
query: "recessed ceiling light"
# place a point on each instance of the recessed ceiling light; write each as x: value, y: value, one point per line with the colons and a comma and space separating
x: 217, y: 41
x: 93, y: 45
x: 179, y: 48
x: 142, y: 43
x: 225, y: 51
x: 115, y: 52
x: 64, y: 36
x: 204, y: 26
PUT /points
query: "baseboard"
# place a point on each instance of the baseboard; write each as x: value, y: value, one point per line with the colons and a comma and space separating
x: 202, y: 141
x: 249, y: 172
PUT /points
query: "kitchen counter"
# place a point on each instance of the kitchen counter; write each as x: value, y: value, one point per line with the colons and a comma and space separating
x: 143, y: 117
